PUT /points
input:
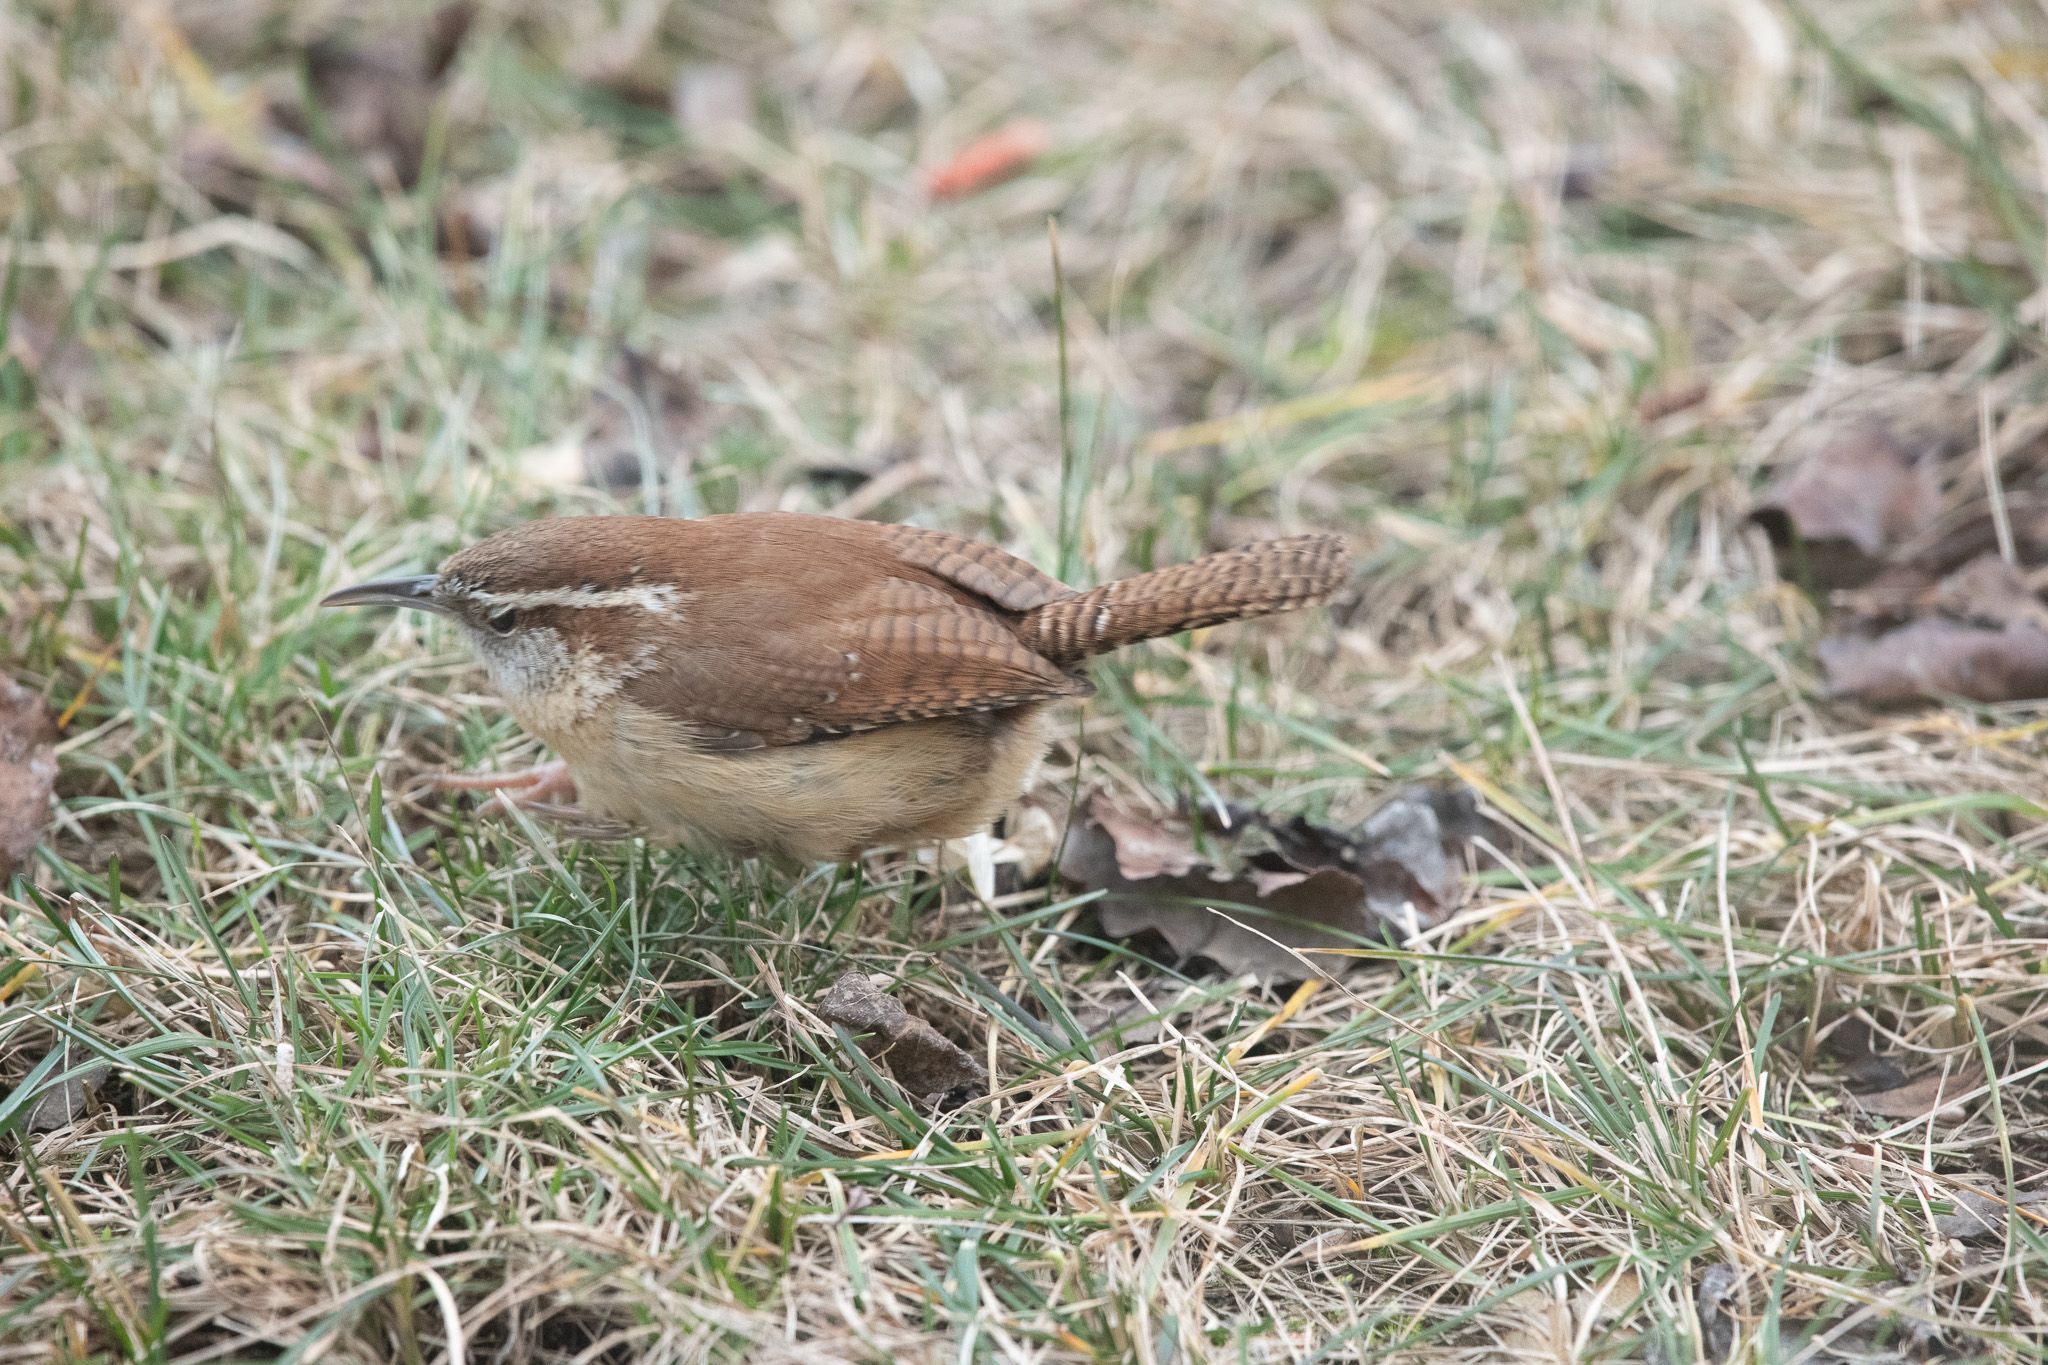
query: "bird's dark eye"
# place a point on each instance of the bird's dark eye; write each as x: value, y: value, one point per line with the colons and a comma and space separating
x: 502, y: 621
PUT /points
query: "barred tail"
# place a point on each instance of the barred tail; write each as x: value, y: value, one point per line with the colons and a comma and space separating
x: 1252, y: 580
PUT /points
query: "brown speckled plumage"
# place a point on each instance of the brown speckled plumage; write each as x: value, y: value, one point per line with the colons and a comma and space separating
x: 884, y: 624
x: 804, y: 685
x: 1252, y: 580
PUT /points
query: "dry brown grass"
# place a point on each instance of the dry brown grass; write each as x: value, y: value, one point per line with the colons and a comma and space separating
x: 393, y: 1083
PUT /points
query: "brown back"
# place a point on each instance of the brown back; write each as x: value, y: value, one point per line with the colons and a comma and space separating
x: 786, y: 628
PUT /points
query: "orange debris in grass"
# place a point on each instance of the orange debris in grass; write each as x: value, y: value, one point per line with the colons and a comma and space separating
x: 989, y: 160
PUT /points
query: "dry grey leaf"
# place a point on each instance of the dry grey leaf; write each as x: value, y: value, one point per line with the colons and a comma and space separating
x: 1407, y: 844
x: 1838, y: 513
x: 1934, y: 659
x: 70, y: 1098
x: 1980, y: 633
x: 1983, y: 591
x: 1937, y: 1094
x: 926, y: 1063
x: 1316, y: 889
x: 1981, y: 1213
x: 1712, y: 1299
x: 1989, y: 591
x: 1869, y: 1338
x: 1977, y: 527
x: 28, y: 773
x: 1142, y: 847
x: 1853, y: 1043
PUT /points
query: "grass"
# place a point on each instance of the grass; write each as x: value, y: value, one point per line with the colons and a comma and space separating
x: 391, y: 1081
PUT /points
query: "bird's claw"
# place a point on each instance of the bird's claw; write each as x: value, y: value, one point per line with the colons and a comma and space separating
x: 540, y: 791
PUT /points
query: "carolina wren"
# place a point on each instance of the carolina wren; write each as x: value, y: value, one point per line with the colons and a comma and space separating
x: 771, y: 683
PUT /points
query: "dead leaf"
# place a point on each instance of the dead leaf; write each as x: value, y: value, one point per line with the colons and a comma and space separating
x: 1835, y: 515
x: 1978, y: 528
x: 1984, y: 590
x: 1893, y: 597
x: 1989, y: 591
x: 989, y: 160
x: 1980, y: 634
x: 1924, y: 605
x: 1314, y: 889
x: 70, y: 1098
x: 1409, y: 840
x: 1230, y: 921
x: 1877, y: 1339
x: 1937, y: 1094
x: 1981, y: 1213
x: 1143, y: 848
x: 28, y: 773
x: 1853, y: 1043
x: 926, y: 1063
x: 1712, y: 1299
x: 1934, y: 659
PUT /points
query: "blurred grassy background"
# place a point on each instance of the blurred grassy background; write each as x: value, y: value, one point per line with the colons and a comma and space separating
x: 1524, y: 298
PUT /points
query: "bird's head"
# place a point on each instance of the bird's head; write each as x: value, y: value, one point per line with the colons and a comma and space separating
x: 559, y: 611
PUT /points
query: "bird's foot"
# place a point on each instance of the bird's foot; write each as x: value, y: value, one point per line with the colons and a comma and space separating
x: 538, y: 786
x: 545, y: 790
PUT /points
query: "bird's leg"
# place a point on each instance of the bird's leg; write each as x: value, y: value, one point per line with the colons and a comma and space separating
x: 535, y: 786
x: 546, y: 790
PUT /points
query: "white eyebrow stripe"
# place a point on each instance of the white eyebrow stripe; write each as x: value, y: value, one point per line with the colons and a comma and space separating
x: 659, y: 598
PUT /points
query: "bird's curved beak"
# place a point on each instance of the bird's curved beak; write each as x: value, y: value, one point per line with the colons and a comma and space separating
x: 417, y: 591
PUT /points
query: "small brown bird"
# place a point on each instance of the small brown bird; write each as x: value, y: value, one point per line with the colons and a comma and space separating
x: 771, y: 683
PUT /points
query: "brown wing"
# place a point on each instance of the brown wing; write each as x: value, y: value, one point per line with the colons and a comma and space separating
x: 889, y: 624
x: 995, y: 575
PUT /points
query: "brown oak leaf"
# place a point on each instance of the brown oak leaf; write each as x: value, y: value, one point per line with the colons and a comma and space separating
x: 1280, y: 910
